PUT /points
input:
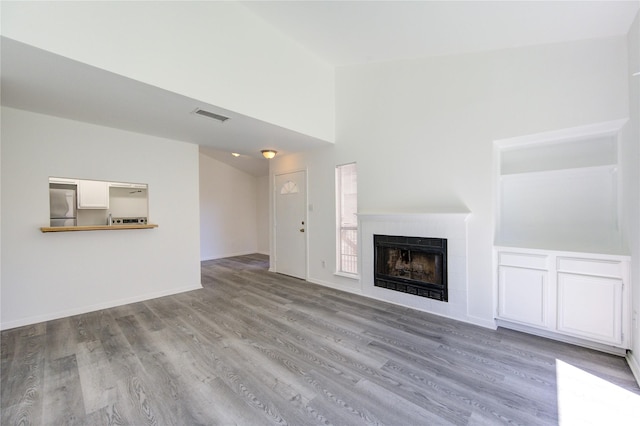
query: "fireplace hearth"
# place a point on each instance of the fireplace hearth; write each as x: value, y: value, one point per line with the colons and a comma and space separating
x: 413, y: 265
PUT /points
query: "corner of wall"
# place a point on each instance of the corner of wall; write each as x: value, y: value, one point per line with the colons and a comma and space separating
x: 633, y: 46
x: 634, y: 364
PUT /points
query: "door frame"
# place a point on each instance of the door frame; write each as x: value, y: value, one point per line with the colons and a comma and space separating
x: 273, y: 261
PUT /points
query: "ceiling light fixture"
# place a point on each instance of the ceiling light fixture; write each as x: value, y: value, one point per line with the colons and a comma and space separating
x: 268, y: 153
x: 235, y: 154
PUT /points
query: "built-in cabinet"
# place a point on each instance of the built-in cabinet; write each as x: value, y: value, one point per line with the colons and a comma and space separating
x: 561, y: 264
x: 93, y: 194
x: 590, y: 298
x: 524, y: 288
x: 582, y: 295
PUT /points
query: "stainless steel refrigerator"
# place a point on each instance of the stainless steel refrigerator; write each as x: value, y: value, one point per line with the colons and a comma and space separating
x: 62, y: 205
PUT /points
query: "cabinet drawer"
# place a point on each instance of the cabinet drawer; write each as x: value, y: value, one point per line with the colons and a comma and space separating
x: 521, y: 260
x: 603, y: 268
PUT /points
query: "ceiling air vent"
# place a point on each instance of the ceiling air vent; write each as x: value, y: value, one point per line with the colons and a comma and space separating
x: 209, y: 114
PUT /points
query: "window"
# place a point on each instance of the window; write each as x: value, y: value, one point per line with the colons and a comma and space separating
x: 347, y: 207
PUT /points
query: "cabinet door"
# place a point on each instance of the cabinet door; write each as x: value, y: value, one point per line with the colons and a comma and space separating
x: 93, y: 194
x: 590, y: 307
x: 523, y: 295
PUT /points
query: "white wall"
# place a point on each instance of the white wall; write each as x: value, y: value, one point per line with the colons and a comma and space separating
x: 422, y: 132
x: 321, y: 217
x: 52, y: 275
x: 263, y: 214
x: 630, y: 154
x: 217, y: 52
x: 561, y: 190
x: 229, y: 203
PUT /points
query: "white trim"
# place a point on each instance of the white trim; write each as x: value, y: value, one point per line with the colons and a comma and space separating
x: 347, y: 275
x: 561, y: 173
x: 467, y: 319
x: 412, y: 217
x: 336, y: 286
x: 224, y: 256
x: 634, y: 365
x: 559, y: 136
x: 562, y: 338
x: 97, y: 307
x: 564, y: 253
x: 481, y: 322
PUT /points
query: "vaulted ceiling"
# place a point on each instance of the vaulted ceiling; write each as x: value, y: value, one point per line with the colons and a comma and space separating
x: 356, y: 32
x: 340, y: 33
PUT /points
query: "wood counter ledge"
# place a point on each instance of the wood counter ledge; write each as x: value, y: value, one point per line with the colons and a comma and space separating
x: 96, y: 228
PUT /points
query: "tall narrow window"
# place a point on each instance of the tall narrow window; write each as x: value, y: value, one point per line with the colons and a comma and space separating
x: 347, y: 207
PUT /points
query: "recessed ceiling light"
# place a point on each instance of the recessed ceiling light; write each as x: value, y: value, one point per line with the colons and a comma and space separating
x: 235, y: 154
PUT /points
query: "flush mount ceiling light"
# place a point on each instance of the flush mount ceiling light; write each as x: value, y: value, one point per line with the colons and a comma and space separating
x: 268, y: 153
x: 235, y: 154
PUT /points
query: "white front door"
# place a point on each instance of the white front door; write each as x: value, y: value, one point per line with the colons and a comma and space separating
x: 291, y: 224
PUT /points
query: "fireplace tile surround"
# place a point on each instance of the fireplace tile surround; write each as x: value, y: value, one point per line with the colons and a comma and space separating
x: 450, y: 226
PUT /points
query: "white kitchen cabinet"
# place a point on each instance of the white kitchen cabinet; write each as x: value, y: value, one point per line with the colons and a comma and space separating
x: 93, y: 194
x: 63, y: 181
x: 578, y: 297
x: 127, y: 185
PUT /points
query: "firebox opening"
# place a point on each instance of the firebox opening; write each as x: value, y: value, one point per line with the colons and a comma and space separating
x: 411, y: 265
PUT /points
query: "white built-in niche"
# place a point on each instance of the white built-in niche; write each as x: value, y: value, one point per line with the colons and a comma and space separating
x: 560, y: 190
x: 562, y: 271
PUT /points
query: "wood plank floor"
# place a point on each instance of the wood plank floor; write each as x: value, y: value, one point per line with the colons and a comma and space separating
x: 257, y: 348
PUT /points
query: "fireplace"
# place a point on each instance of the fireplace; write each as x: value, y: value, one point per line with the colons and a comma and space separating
x: 412, y: 265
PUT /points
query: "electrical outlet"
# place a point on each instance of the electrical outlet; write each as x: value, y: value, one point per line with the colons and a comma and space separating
x: 324, y: 264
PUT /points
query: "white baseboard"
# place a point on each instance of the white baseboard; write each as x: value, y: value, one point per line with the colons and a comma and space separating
x: 96, y: 307
x: 614, y: 350
x: 224, y: 256
x: 470, y: 320
x: 482, y: 322
x: 354, y: 290
x: 634, y: 364
x: 465, y: 319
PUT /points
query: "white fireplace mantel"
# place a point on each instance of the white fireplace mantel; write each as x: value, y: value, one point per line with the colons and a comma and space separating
x: 414, y: 216
x: 450, y: 225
